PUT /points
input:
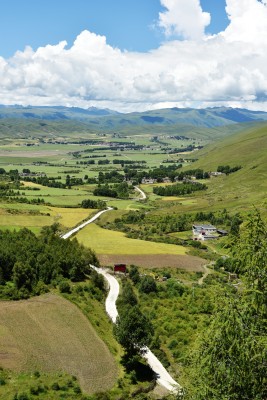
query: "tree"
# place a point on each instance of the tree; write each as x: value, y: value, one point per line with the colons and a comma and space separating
x: 134, y: 274
x: 231, y: 361
x: 127, y: 297
x: 147, y: 285
x: 23, y: 276
x: 133, y: 331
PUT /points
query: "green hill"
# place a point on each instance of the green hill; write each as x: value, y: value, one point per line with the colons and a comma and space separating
x: 165, y: 121
x: 243, y: 188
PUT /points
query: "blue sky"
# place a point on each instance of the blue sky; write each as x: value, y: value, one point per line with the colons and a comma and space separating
x: 132, y: 55
x: 127, y: 24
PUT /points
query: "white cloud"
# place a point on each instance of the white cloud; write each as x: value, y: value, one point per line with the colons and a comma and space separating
x: 228, y: 68
x: 184, y: 18
x: 248, y: 21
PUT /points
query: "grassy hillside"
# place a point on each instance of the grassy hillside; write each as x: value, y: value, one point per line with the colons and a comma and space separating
x: 247, y: 186
x: 17, y: 121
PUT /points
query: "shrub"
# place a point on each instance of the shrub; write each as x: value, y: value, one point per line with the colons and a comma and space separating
x: 147, y: 285
x: 55, y: 386
x: 64, y: 287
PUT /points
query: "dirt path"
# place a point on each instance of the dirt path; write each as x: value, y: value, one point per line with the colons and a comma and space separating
x: 207, y: 271
x: 142, y: 193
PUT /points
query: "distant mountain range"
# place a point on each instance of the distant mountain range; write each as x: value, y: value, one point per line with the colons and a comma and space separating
x: 108, y: 119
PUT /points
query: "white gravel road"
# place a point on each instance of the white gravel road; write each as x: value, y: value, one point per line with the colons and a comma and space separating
x: 142, y: 193
x: 68, y: 234
x: 163, y: 377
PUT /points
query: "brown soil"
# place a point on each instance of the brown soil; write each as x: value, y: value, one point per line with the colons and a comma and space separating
x: 48, y: 333
x: 189, y: 263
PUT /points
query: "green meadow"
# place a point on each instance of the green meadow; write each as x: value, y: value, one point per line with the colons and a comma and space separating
x: 104, y: 241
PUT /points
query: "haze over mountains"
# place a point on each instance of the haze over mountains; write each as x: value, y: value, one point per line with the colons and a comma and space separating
x: 108, y: 119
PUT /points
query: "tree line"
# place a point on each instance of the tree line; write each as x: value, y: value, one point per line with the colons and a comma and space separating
x: 178, y: 189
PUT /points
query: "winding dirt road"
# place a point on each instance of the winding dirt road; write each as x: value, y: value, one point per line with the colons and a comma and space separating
x: 163, y: 377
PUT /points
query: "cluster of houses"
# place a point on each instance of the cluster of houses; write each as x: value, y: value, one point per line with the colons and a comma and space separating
x: 207, y: 232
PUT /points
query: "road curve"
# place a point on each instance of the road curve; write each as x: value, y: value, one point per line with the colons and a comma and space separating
x: 68, y: 234
x: 114, y: 290
x: 142, y: 193
x: 163, y: 377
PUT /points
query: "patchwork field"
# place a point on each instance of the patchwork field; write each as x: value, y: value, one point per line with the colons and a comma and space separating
x: 50, y: 334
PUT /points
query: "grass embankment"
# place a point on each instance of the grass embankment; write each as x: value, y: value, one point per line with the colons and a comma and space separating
x: 50, y: 334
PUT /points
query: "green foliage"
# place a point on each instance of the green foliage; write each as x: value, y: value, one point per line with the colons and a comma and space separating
x: 32, y: 262
x: 134, y: 274
x: 231, y: 362
x: 120, y: 190
x: 178, y: 189
x: 147, y: 285
x: 226, y: 169
x: 93, y: 204
x: 64, y: 287
x: 127, y: 297
x: 133, y: 330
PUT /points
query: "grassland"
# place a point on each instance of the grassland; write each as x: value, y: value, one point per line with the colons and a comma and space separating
x: 104, y: 241
x: 50, y: 334
x: 17, y: 216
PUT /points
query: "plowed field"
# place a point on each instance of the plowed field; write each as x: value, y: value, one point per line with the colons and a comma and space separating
x: 48, y: 333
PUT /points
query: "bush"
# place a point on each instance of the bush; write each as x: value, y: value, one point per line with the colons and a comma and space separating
x: 22, y: 396
x: 148, y: 285
x: 2, y: 381
x: 55, y: 386
x: 64, y: 287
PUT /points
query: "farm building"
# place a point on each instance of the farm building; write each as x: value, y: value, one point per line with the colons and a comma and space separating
x: 120, y: 268
x: 204, y: 232
x: 206, y: 229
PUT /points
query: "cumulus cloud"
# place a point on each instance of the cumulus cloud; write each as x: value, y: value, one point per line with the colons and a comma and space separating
x: 228, y: 68
x: 248, y: 21
x: 184, y: 18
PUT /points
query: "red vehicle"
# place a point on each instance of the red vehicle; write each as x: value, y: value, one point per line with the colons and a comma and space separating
x: 120, y: 268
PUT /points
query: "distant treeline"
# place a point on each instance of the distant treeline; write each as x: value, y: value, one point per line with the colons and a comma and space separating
x: 178, y: 189
x: 226, y: 169
x: 93, y: 204
x: 119, y: 190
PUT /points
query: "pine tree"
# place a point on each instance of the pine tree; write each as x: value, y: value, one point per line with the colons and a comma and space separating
x: 231, y: 361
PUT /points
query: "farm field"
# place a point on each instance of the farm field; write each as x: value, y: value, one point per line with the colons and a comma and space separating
x: 158, y: 261
x: 17, y: 216
x: 113, y: 243
x: 50, y: 334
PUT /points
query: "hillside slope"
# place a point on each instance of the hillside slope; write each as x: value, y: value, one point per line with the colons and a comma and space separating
x: 207, y: 124
x: 247, y: 186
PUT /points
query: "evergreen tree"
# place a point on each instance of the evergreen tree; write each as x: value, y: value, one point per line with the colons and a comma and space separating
x: 231, y: 361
